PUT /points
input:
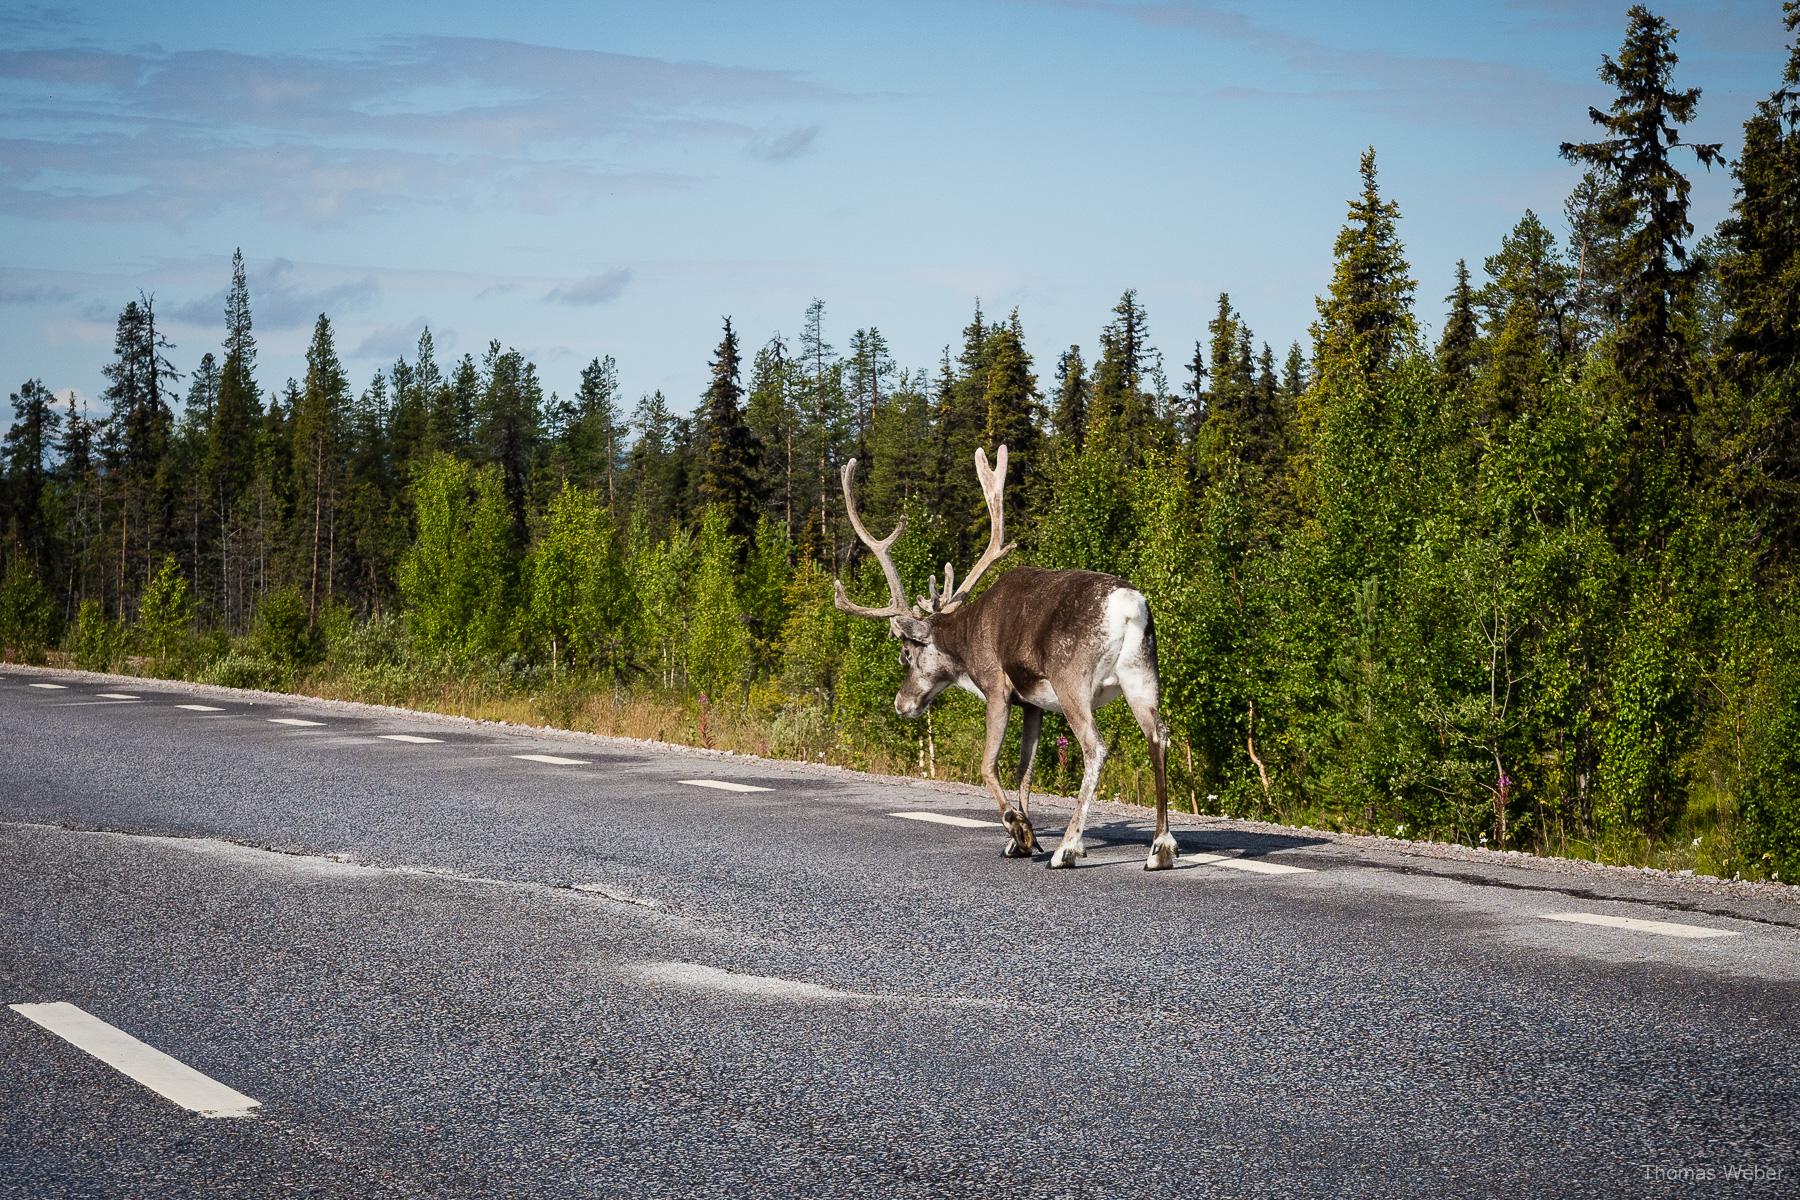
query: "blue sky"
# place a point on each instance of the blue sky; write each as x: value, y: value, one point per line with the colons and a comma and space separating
x: 596, y: 178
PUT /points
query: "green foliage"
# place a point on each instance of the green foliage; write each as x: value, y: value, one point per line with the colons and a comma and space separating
x: 718, y: 651
x: 1771, y: 800
x: 27, y: 614
x: 281, y: 633
x: 96, y: 643
x: 456, y: 579
x: 578, y: 603
x: 165, y: 615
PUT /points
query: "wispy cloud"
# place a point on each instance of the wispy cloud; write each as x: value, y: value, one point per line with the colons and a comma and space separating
x: 280, y: 299
x: 33, y: 293
x: 401, y: 340
x: 1420, y: 86
x: 595, y: 289
x: 166, y: 136
x: 782, y: 147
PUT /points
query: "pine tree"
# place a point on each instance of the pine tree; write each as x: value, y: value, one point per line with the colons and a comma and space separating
x: 1012, y: 421
x: 1459, y: 350
x: 1120, y: 411
x: 871, y: 371
x: 652, y: 466
x: 820, y: 380
x: 509, y: 426
x: 137, y: 440
x: 732, y: 462
x: 1760, y: 275
x: 318, y: 418
x: 1069, y: 415
x: 596, y: 434
x: 1524, y: 311
x: 1365, y: 319
x: 27, y: 449
x: 773, y: 418
x: 1648, y: 201
x: 231, y: 447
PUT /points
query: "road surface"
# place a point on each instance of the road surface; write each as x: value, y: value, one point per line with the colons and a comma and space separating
x: 432, y: 957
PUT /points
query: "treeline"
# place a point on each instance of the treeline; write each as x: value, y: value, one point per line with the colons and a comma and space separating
x: 1533, y: 585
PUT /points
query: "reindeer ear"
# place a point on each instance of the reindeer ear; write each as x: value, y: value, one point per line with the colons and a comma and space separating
x: 910, y: 628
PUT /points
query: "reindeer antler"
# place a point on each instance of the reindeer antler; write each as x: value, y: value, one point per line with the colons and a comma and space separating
x: 898, y: 606
x: 993, y: 488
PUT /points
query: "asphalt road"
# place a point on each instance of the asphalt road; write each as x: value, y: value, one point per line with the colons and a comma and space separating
x: 442, y: 969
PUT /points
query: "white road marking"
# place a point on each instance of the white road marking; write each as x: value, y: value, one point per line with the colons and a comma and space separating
x: 167, y: 1077
x: 1665, y: 928
x: 947, y: 819
x: 51, y: 686
x: 723, y: 785
x: 292, y: 721
x: 553, y: 760
x: 115, y: 696
x: 1256, y: 866
x: 200, y: 707
x: 410, y: 738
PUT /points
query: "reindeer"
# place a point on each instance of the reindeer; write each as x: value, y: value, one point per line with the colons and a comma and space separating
x: 1068, y: 641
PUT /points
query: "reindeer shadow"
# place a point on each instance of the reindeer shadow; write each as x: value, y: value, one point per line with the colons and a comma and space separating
x: 1115, y: 835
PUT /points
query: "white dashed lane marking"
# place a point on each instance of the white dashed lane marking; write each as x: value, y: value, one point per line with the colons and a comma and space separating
x: 200, y: 707
x: 292, y: 721
x: 1256, y: 866
x: 169, y: 1078
x: 58, y: 687
x: 115, y: 695
x: 1665, y: 928
x: 553, y: 760
x: 723, y: 785
x: 947, y: 819
x: 410, y: 738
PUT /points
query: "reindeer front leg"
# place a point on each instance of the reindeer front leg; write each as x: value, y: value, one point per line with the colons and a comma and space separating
x: 1023, y: 843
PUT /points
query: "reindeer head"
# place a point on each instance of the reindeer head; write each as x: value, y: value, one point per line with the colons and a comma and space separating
x: 929, y: 668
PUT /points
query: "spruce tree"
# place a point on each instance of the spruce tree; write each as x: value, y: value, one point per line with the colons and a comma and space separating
x: 1760, y: 275
x: 1069, y: 415
x: 318, y: 419
x: 509, y: 426
x: 596, y: 433
x: 1459, y: 350
x: 231, y: 448
x: 1648, y: 201
x: 1365, y: 318
x: 1525, y: 307
x: 27, y: 449
x: 731, y: 463
x: 1012, y: 421
x: 773, y: 419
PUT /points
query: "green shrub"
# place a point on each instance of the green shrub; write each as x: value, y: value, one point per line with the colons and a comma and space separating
x: 281, y: 632
x: 27, y: 614
x: 240, y: 670
x: 97, y: 643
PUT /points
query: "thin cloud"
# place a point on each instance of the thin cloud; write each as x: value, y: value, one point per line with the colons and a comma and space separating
x: 791, y: 144
x: 595, y: 289
x: 402, y: 340
x: 108, y: 135
x: 1428, y: 87
x: 279, y: 300
x: 34, y: 293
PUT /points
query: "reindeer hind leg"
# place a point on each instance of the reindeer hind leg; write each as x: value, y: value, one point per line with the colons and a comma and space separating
x: 1143, y: 692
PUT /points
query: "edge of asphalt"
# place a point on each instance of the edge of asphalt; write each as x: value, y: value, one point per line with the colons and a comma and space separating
x: 1764, y: 902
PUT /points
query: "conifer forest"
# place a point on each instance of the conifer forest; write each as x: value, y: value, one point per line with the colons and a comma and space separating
x: 1513, y: 567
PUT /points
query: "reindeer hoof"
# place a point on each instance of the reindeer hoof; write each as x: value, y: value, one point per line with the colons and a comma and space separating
x: 1162, y: 854
x: 1066, y: 854
x: 1015, y: 850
